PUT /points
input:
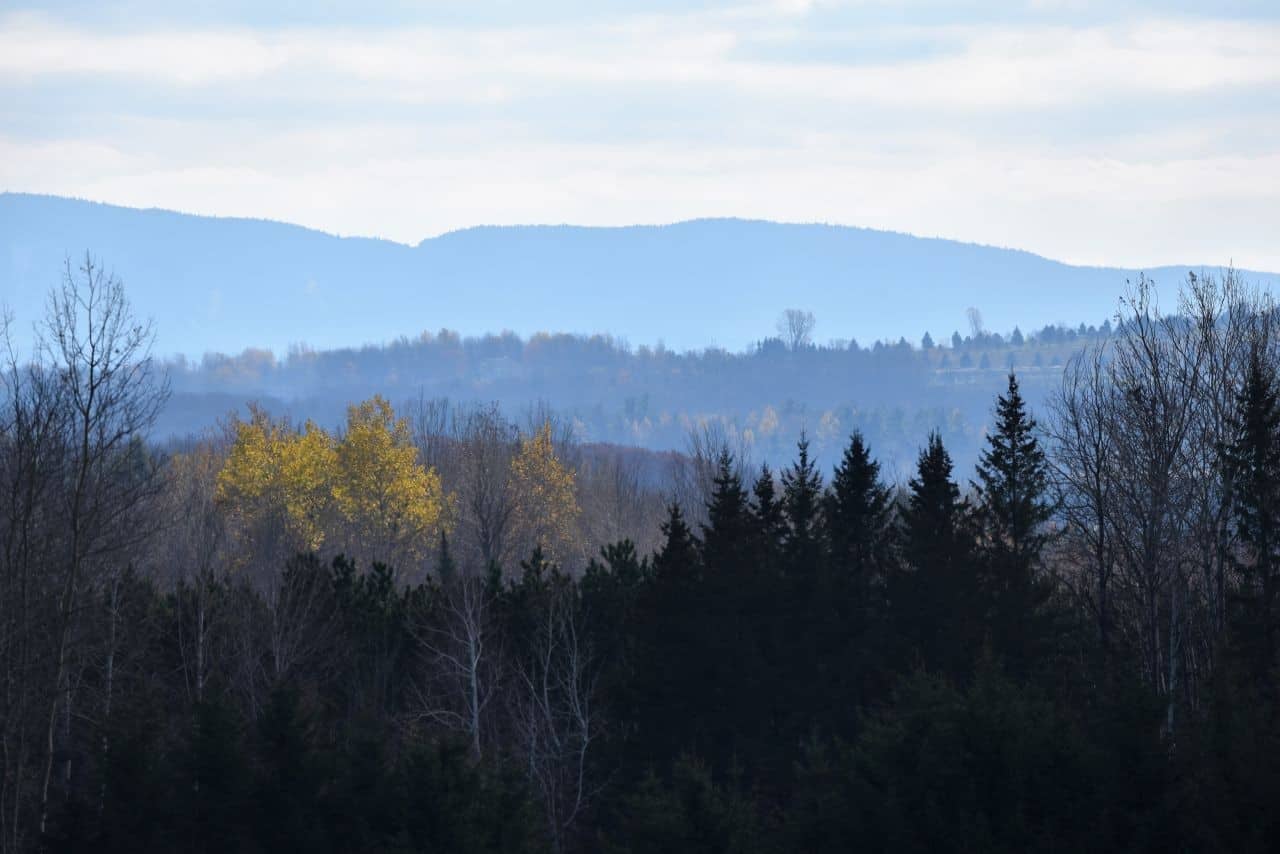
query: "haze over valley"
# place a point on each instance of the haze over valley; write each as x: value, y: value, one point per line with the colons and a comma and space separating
x: 579, y: 427
x: 637, y: 336
x: 222, y: 285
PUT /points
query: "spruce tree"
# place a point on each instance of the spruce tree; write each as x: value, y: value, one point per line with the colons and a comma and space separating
x: 1013, y: 508
x: 845, y: 608
x: 727, y: 534
x: 446, y: 569
x: 1012, y: 487
x: 802, y: 504
x: 669, y: 661
x: 1253, y: 465
x: 736, y: 615
x: 768, y: 512
x: 937, y: 598
x: 933, y: 514
x: 857, y: 512
x: 678, y: 557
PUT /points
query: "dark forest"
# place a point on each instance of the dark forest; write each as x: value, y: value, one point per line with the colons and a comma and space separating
x: 444, y: 630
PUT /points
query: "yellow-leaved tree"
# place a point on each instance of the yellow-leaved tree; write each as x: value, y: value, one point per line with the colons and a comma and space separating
x: 293, y: 490
x: 393, y: 505
x: 546, y: 503
x: 275, y: 482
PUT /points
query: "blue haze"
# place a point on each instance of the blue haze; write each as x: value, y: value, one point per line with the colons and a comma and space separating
x: 221, y: 284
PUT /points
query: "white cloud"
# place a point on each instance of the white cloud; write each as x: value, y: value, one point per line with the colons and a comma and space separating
x: 1031, y: 135
x: 996, y: 68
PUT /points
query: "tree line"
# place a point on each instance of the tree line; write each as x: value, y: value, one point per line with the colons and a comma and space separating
x: 399, y: 635
x: 650, y: 396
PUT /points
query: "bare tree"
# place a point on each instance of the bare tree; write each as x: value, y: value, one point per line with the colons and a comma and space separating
x: 1228, y: 321
x: 795, y: 328
x: 555, y: 713
x: 540, y: 415
x: 616, y: 501
x: 976, y: 329
x: 33, y: 435
x: 102, y: 357
x: 487, y: 444
x: 431, y: 420
x: 193, y: 554
x: 1139, y: 427
x: 301, y: 615
x: 1083, y: 460
x: 693, y: 475
x: 462, y: 665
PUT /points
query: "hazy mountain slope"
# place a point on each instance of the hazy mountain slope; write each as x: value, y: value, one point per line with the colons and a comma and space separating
x: 226, y: 284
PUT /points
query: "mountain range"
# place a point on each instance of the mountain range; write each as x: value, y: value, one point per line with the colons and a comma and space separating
x: 224, y: 284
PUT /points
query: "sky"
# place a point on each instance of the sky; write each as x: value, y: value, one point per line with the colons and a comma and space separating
x: 1123, y: 133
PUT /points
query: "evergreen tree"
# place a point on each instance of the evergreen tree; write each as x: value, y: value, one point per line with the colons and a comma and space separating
x: 446, y: 569
x: 936, y: 606
x: 213, y: 792
x: 726, y: 538
x: 612, y: 597
x: 933, y: 515
x: 857, y: 512
x: 679, y: 553
x: 623, y: 563
x: 287, y: 796
x: 802, y: 505
x: 1013, y: 507
x: 670, y: 660
x: 769, y: 513
x: 687, y: 813
x: 841, y: 614
x: 1253, y: 462
x: 1012, y: 485
x: 736, y: 614
x: 538, y: 569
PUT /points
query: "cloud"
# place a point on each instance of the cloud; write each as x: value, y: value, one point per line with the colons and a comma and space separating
x: 988, y: 67
x: 1129, y: 136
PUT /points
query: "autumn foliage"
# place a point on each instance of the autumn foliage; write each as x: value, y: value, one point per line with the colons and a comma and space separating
x: 363, y: 490
x: 546, y: 508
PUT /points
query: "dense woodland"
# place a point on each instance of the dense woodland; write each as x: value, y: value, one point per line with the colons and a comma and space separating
x: 651, y: 397
x: 439, y: 630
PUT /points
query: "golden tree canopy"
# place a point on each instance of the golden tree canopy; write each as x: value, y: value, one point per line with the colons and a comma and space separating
x: 275, y: 473
x: 369, y: 482
x: 389, y: 498
x: 546, y: 511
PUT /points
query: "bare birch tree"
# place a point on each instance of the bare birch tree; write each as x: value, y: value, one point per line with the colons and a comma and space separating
x: 555, y: 714
x: 460, y: 653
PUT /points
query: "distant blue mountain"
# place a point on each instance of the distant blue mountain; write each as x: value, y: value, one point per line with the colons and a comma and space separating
x: 219, y: 284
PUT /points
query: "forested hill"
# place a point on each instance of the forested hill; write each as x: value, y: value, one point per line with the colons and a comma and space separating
x: 758, y: 399
x: 214, y: 284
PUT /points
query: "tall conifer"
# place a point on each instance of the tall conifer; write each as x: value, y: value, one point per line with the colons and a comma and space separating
x: 1253, y: 463
x: 768, y: 512
x: 726, y: 536
x: 802, y: 504
x: 937, y: 598
x: 857, y: 512
x: 1013, y: 509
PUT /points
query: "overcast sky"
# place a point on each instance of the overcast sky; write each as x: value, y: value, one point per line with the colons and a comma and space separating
x: 1128, y: 133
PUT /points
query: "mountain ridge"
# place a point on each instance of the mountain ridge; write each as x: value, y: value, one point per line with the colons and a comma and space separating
x: 227, y: 283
